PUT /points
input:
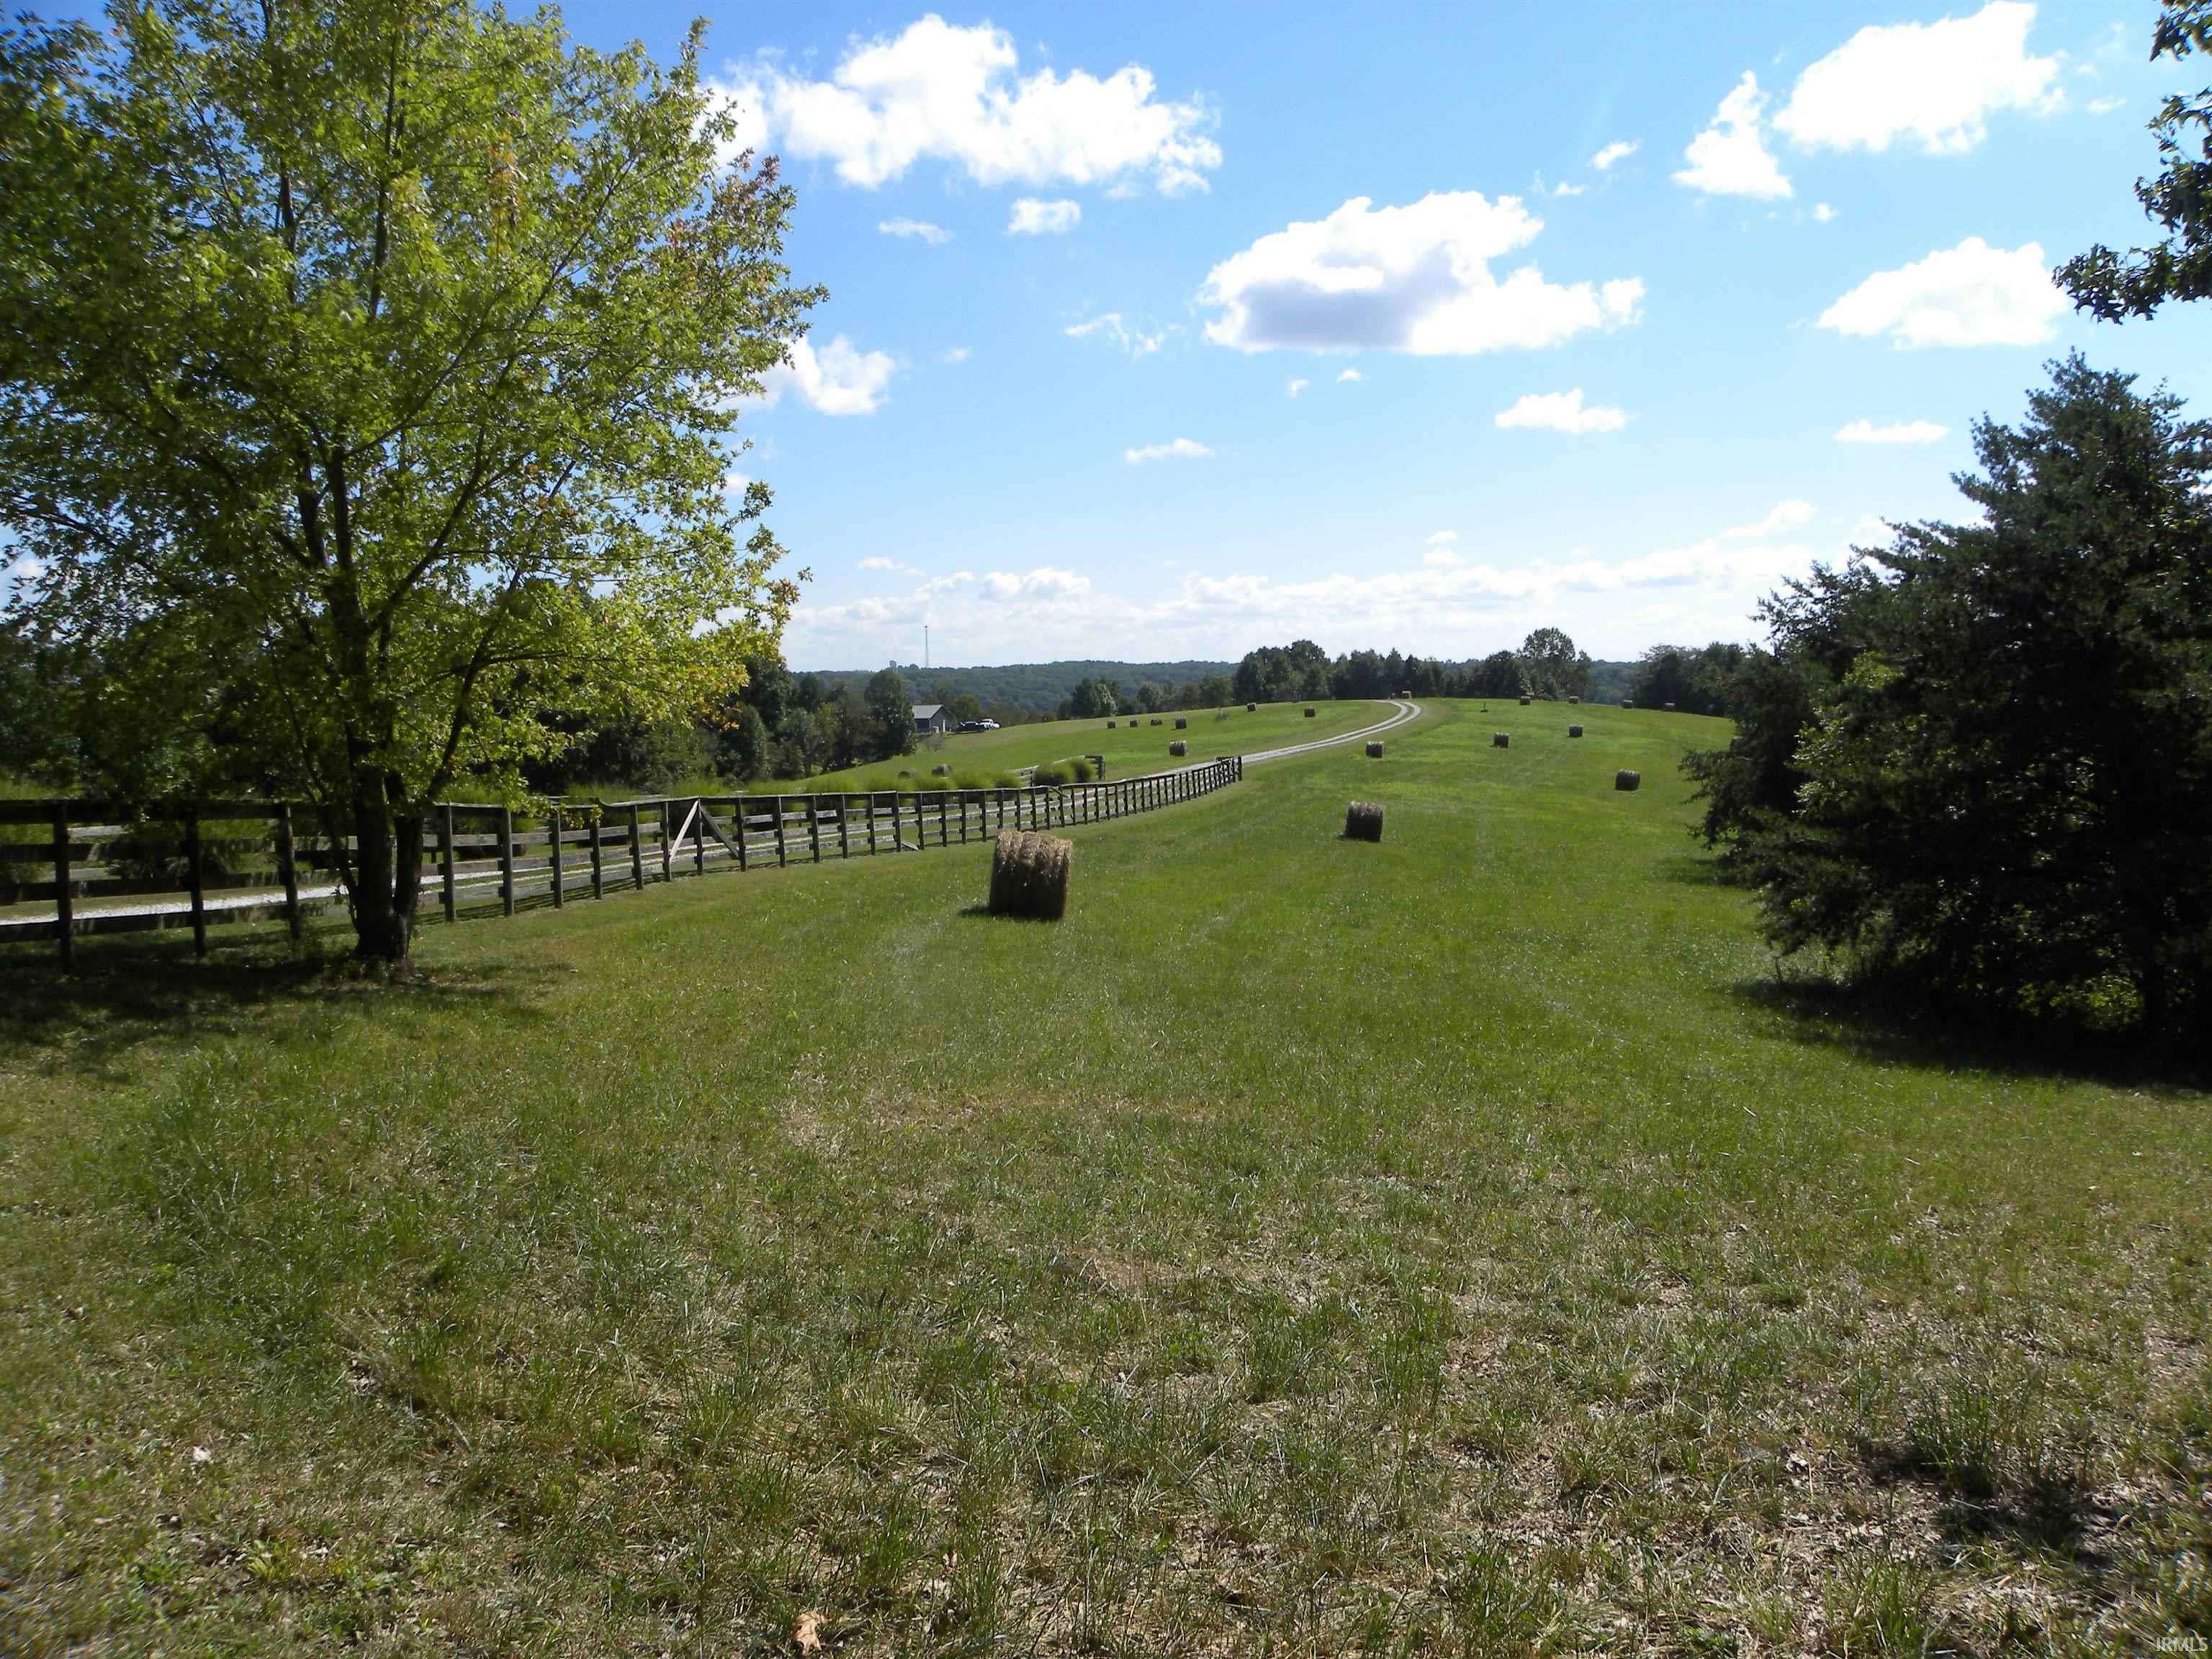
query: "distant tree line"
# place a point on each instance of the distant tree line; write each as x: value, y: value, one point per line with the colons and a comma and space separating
x: 1012, y: 693
x: 781, y: 725
x: 1547, y: 665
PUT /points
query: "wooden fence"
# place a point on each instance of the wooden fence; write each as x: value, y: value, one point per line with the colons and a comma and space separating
x: 112, y: 866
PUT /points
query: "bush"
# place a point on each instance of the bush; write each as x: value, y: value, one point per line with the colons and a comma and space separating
x: 2007, y: 768
x: 1053, y: 773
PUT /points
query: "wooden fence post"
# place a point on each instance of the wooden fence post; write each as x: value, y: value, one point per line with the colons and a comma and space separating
x: 507, y: 860
x: 636, y: 851
x: 553, y: 836
x: 599, y: 856
x: 844, y: 826
x: 65, y: 901
x: 196, y: 874
x: 782, y: 850
x: 667, y: 840
x: 288, y: 867
x: 446, y: 856
x: 699, y: 836
x: 814, y: 826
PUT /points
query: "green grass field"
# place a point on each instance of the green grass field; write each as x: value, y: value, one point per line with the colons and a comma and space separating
x: 1464, y: 1244
x: 1129, y: 750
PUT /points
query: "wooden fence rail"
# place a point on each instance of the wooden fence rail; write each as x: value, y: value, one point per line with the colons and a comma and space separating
x: 116, y: 867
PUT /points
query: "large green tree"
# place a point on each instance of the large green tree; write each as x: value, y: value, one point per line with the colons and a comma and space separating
x: 1551, y: 667
x: 2115, y: 285
x: 366, y: 391
x: 2005, y: 783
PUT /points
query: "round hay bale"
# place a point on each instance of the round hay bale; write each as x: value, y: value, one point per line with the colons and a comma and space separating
x: 1501, y: 740
x: 940, y: 771
x: 1571, y: 700
x: 1574, y: 731
x: 1669, y: 707
x: 1625, y: 778
x: 1156, y: 719
x: 1030, y: 874
x: 1181, y: 723
x: 1525, y: 702
x: 1251, y: 707
x: 1310, y: 714
x: 1362, y: 821
x: 1375, y: 749
x: 1109, y: 724
x: 1627, y: 702
x: 1178, y: 748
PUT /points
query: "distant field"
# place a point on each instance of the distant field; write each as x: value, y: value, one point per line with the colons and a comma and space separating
x: 1462, y: 1244
x: 1128, y: 749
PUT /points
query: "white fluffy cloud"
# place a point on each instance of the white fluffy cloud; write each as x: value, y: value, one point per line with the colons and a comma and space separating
x: 1971, y: 295
x: 1931, y: 84
x: 1787, y: 515
x: 1904, y: 432
x: 838, y: 379
x: 1179, y: 449
x: 1615, y: 152
x: 1413, y: 278
x: 1109, y: 325
x: 1730, y: 157
x: 919, y: 230
x: 1349, y: 376
x: 1043, y: 582
x: 1441, y: 602
x: 1562, y: 411
x: 1296, y: 387
x: 940, y: 91
x: 1031, y: 217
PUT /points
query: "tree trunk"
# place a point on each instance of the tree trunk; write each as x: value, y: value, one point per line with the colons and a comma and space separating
x: 387, y: 875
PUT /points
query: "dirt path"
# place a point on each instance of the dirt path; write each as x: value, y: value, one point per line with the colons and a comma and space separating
x: 1405, y: 712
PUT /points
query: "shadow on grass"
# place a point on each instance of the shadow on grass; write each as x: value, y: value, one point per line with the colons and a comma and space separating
x: 982, y: 912
x: 135, y: 989
x: 2060, y: 1515
x: 1906, y: 1025
x: 1695, y: 870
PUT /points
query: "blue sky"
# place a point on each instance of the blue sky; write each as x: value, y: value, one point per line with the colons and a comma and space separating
x: 1163, y: 332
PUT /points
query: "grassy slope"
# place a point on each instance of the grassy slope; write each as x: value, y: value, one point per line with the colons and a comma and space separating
x: 1128, y: 750
x: 1450, y: 1242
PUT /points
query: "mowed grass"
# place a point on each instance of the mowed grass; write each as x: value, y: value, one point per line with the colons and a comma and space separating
x: 1130, y: 750
x: 1459, y: 1245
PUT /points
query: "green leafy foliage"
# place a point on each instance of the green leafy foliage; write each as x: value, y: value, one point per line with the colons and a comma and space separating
x: 2006, y: 775
x: 2115, y: 285
x: 364, y: 398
